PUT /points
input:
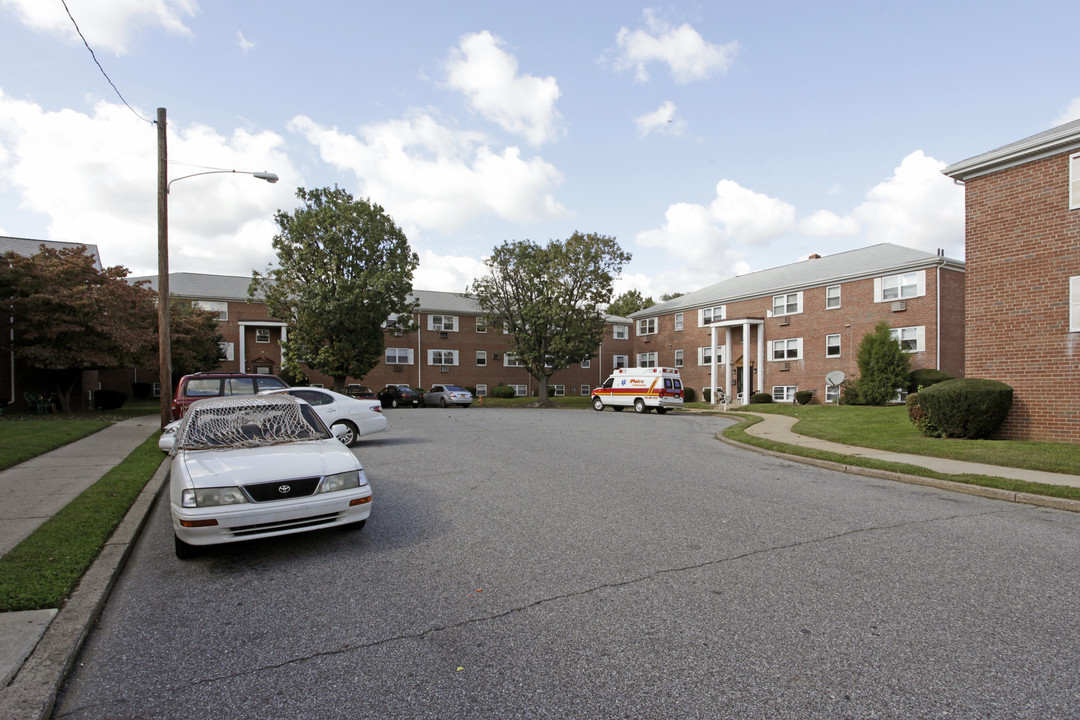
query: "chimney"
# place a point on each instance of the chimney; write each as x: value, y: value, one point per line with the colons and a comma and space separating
x: 815, y: 256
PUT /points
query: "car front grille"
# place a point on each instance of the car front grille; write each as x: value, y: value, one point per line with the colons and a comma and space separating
x: 313, y: 521
x: 282, y: 489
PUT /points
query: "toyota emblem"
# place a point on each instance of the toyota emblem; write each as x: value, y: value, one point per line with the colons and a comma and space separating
x: 284, y: 489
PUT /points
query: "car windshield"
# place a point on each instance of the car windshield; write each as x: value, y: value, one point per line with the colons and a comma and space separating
x: 248, y: 421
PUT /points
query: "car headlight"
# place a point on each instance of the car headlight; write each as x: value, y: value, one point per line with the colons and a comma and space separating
x: 344, y: 481
x: 208, y: 497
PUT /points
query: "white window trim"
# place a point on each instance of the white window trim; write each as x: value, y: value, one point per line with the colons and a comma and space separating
x: 510, y: 360
x: 788, y: 393
x: 615, y: 361
x: 680, y: 357
x: 453, y: 356
x: 586, y: 363
x: 839, y: 295
x: 648, y: 359
x: 558, y: 390
x: 920, y: 337
x: 481, y: 389
x: 798, y: 304
x: 1074, y: 302
x: 920, y: 287
x: 218, y: 306
x: 229, y: 349
x: 620, y: 332
x: 678, y: 321
x: 647, y: 322
x: 839, y: 341
x: 442, y: 323
x: 713, y: 311
x: 703, y: 357
x: 481, y: 358
x: 397, y: 354
x: 481, y: 326
x: 262, y: 331
x: 798, y: 349
x: 520, y: 390
x: 586, y: 390
x: 1074, y: 185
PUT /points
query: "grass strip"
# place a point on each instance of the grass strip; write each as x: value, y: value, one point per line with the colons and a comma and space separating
x: 21, y: 440
x: 42, y: 570
x: 738, y: 433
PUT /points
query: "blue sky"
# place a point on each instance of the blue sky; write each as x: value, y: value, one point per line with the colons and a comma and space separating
x: 710, y: 138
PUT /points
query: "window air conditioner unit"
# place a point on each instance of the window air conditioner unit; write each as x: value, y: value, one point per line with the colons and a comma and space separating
x: 399, y: 368
x: 495, y: 356
x: 784, y: 367
x: 899, y: 306
x: 397, y: 333
x: 444, y: 368
x: 785, y: 320
x: 443, y: 336
x: 645, y: 339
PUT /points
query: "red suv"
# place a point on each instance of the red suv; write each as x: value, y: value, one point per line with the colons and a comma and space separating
x: 215, y: 384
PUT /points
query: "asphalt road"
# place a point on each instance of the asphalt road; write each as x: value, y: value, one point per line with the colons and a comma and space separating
x: 572, y: 564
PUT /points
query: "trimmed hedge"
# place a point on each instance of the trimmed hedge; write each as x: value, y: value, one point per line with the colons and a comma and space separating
x: 688, y: 394
x: 967, y: 408
x: 925, y: 377
x: 761, y: 398
x: 502, y: 391
x: 803, y: 396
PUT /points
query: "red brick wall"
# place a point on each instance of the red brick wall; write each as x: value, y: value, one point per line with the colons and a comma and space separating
x: 1023, y: 244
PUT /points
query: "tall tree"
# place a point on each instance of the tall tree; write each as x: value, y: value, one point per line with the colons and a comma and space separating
x: 670, y: 296
x: 195, y: 338
x: 344, y: 269
x: 550, y: 298
x: 629, y: 302
x: 884, y: 367
x: 68, y: 316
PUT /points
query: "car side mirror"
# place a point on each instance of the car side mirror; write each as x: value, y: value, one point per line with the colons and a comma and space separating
x: 167, y: 442
x: 339, y: 431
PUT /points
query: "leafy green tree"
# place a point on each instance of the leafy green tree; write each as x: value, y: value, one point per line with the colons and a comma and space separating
x: 67, y: 316
x: 629, y: 302
x: 670, y: 296
x: 883, y: 366
x: 195, y: 338
x: 550, y: 299
x: 344, y: 269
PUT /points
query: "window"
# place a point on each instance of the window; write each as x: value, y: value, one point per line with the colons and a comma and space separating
x: 481, y: 357
x: 221, y: 308
x: 262, y: 335
x: 442, y: 323
x: 557, y: 390
x: 832, y: 346
x: 704, y: 355
x: 900, y: 287
x: 832, y: 393
x: 399, y: 356
x: 481, y: 325
x: 620, y: 332
x: 789, y: 349
x: 646, y: 359
x: 790, y: 304
x: 646, y: 326
x: 227, y: 351
x: 442, y: 357
x: 911, y: 339
x: 711, y: 314
x: 586, y: 363
x: 586, y: 390
x: 1074, y: 183
x: 481, y: 390
x: 620, y: 361
x: 678, y: 358
x: 832, y: 297
x: 784, y: 393
x: 520, y: 390
x: 1074, y: 304
x: 678, y: 321
x: 510, y: 360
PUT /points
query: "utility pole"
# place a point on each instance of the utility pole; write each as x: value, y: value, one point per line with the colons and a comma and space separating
x: 164, y: 337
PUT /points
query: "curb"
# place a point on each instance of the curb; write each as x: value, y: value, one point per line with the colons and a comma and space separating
x: 32, y: 695
x: 950, y: 485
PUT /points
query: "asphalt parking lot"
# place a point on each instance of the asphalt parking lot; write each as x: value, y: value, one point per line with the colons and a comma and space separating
x: 547, y: 564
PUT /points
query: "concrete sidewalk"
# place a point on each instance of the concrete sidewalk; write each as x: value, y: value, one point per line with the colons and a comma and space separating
x: 33, y: 492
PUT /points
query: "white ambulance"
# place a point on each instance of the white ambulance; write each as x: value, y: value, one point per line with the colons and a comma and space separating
x: 640, y: 388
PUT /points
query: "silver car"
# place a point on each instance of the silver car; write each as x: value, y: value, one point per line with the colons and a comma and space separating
x: 447, y: 395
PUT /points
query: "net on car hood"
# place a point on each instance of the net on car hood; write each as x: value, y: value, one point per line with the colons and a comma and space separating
x: 247, y: 421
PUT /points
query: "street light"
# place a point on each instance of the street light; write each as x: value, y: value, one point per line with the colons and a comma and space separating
x: 164, y: 339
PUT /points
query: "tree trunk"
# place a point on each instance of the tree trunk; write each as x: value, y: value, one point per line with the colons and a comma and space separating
x: 339, y: 383
x: 542, y: 392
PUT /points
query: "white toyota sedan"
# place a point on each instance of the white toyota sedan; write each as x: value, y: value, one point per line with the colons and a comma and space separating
x: 256, y: 466
x: 358, y: 416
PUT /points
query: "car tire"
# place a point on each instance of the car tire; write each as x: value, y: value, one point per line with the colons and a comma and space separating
x: 597, y: 404
x: 661, y: 410
x: 442, y: 402
x: 618, y: 408
x: 354, y: 527
x: 354, y: 434
x: 393, y: 403
x: 466, y: 405
x: 183, y: 550
x: 639, y: 406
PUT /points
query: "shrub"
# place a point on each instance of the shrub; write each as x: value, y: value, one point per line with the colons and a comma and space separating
x: 803, y: 396
x: 706, y: 394
x: 883, y: 366
x: 920, y: 416
x: 141, y: 390
x: 109, y: 399
x: 688, y: 394
x: 471, y: 389
x: 925, y: 377
x: 761, y: 398
x: 849, y: 393
x: 967, y: 408
x: 502, y: 391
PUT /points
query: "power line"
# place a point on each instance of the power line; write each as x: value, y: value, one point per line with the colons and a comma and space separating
x: 64, y: 3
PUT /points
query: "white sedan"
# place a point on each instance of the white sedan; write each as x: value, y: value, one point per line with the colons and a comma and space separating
x: 359, y: 417
x: 255, y: 466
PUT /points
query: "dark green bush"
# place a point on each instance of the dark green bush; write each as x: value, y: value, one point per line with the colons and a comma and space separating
x: 925, y: 377
x: 688, y: 394
x: 761, y: 398
x: 920, y: 416
x: 502, y: 391
x: 472, y: 389
x: 706, y: 394
x: 109, y: 399
x: 967, y: 408
x: 803, y: 396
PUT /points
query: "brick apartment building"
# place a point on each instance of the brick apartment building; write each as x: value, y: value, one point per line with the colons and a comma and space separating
x: 1023, y: 297
x: 787, y: 328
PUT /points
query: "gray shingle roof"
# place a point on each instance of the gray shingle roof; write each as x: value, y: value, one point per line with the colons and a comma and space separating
x: 871, y: 261
x: 205, y: 287
x: 27, y: 247
x: 1063, y: 138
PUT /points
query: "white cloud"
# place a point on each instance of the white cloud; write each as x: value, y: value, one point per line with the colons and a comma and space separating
x: 683, y: 49
x: 825, y: 223
x: 488, y: 76
x: 1070, y: 113
x: 430, y: 176
x: 245, y: 44
x: 106, y: 25
x: 94, y: 177
x: 662, y: 120
x: 446, y: 273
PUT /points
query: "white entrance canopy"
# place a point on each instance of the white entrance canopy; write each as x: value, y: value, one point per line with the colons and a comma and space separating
x: 745, y: 323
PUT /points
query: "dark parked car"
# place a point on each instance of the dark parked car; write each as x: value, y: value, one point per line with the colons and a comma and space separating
x: 360, y: 392
x: 400, y: 396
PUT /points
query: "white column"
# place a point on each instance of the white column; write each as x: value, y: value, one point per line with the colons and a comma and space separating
x: 761, y: 358
x: 727, y: 366
x: 712, y: 366
x: 746, y: 361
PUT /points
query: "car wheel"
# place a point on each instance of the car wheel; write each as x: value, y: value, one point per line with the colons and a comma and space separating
x: 597, y: 404
x: 393, y: 403
x: 442, y: 402
x: 354, y: 526
x: 639, y: 406
x: 466, y: 405
x: 661, y: 410
x: 183, y: 550
x: 348, y: 439
x: 617, y: 408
